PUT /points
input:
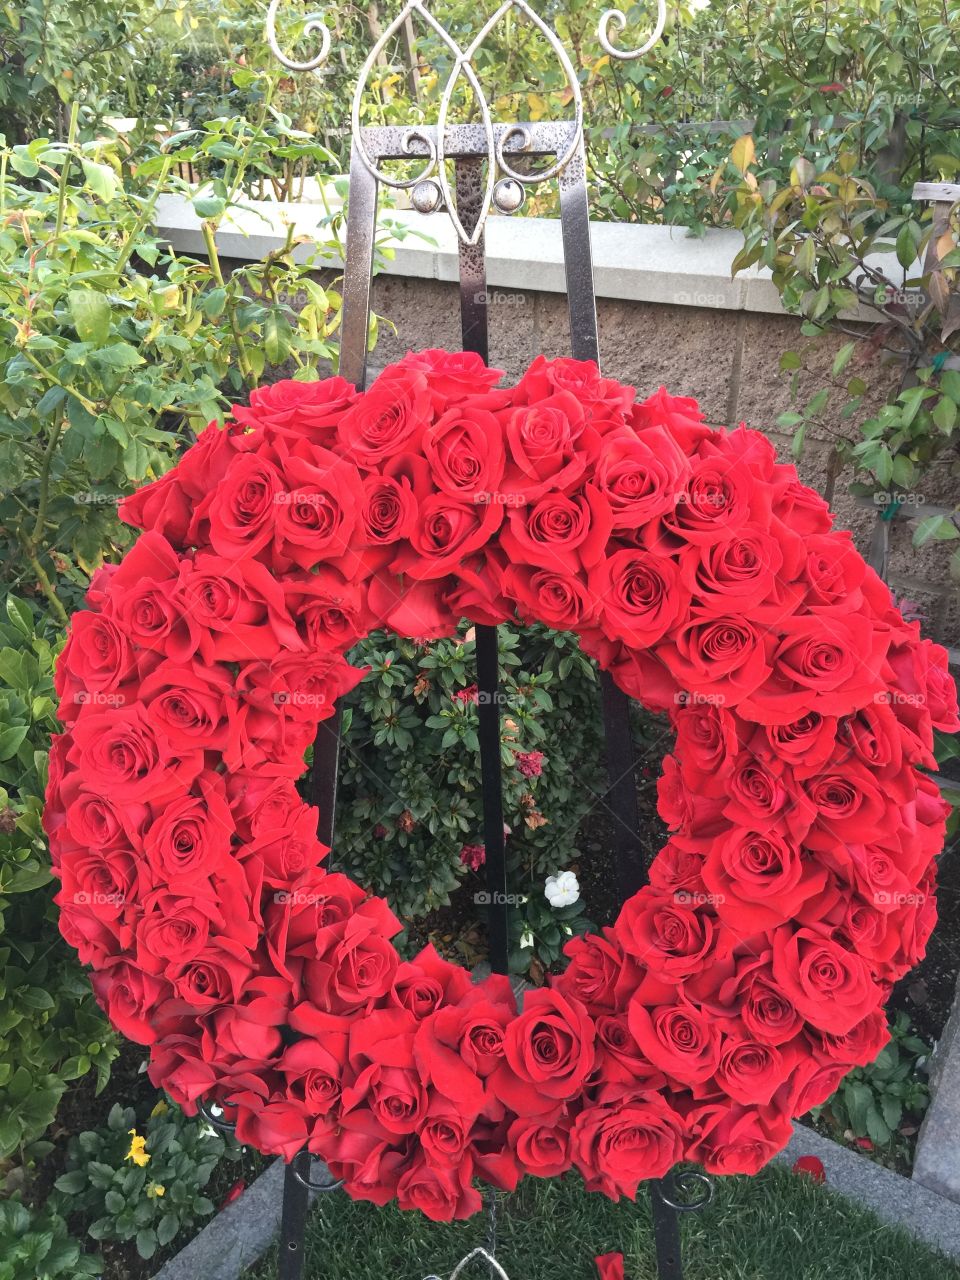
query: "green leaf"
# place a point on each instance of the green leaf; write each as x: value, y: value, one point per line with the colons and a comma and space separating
x: 147, y: 1242
x: 100, y: 178
x: 10, y: 740
x: 944, y: 414
x: 167, y: 1228
x: 935, y: 529
x: 276, y: 337
x: 842, y: 358
x: 20, y: 615
x: 908, y: 239
x: 91, y: 314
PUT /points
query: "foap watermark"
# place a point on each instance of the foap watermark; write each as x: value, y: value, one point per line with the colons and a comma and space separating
x: 701, y: 298
x: 882, y: 498
x: 897, y: 698
x: 87, y: 498
x: 497, y: 899
x: 691, y: 698
x: 694, y: 898
x: 83, y: 898
x: 299, y: 698
x: 297, y: 898
x: 894, y: 898
x: 490, y: 498
x: 497, y: 298
x: 97, y: 698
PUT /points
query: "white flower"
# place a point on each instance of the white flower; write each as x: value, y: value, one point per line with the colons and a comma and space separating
x: 526, y: 938
x: 562, y: 890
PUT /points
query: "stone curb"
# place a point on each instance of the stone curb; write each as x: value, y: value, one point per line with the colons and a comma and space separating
x: 236, y: 1237
x: 242, y: 1232
x: 897, y: 1200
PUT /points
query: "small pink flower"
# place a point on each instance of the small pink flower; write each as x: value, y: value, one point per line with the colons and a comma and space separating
x: 530, y: 763
x: 379, y: 831
x: 473, y: 856
x: 470, y: 694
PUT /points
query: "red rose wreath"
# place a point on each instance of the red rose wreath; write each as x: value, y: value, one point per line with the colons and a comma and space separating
x: 732, y: 993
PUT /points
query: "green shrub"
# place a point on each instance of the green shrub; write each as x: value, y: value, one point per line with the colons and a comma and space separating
x: 51, y: 1029
x: 410, y: 797
x: 146, y: 1187
x: 36, y: 1245
x: 874, y: 1102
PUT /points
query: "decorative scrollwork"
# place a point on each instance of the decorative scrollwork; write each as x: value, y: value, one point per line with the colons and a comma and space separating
x: 307, y: 1181
x: 505, y: 185
x: 314, y: 25
x: 618, y: 19
x: 214, y: 1117
x: 687, y: 1190
x: 494, y: 1266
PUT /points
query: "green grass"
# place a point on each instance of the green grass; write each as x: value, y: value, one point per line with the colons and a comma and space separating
x: 776, y: 1226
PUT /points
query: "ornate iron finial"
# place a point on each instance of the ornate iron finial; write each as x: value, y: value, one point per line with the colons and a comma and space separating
x: 505, y: 185
x: 314, y: 25
x: 618, y: 19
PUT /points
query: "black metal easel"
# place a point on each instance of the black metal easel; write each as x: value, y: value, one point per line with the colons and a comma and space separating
x: 559, y: 149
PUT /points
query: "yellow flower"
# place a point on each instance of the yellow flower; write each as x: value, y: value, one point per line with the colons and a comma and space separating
x: 160, y: 1109
x: 155, y: 1189
x: 137, y: 1152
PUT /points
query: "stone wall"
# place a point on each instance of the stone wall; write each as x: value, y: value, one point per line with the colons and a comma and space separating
x: 728, y: 360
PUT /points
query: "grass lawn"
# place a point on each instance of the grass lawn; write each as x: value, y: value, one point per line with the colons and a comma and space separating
x: 777, y: 1226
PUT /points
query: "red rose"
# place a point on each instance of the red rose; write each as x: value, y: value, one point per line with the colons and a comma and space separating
x: 238, y: 607
x: 451, y: 375
x: 357, y: 963
x: 742, y: 572
x: 542, y: 1144
x: 388, y: 419
x: 547, y: 447
x: 807, y: 741
x: 639, y: 594
x: 190, y: 839
x: 624, y: 1139
x: 759, y: 879
x: 767, y: 1013
x: 549, y: 1053
x: 464, y: 448
x: 557, y: 532
x: 129, y: 997
x: 242, y: 508
x: 606, y: 400
x: 389, y: 510
x: 316, y: 515
x: 670, y: 939
x: 145, y: 602
x: 722, y: 658
x: 215, y: 976
x: 278, y: 1126
x: 292, y: 408
x: 750, y: 1071
x: 706, y: 745
x: 561, y: 600
x: 597, y: 968
x: 829, y: 985
x: 121, y: 752
x: 739, y: 1139
x: 443, y: 1195
x: 447, y: 530
x: 641, y: 475
x: 683, y: 1041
